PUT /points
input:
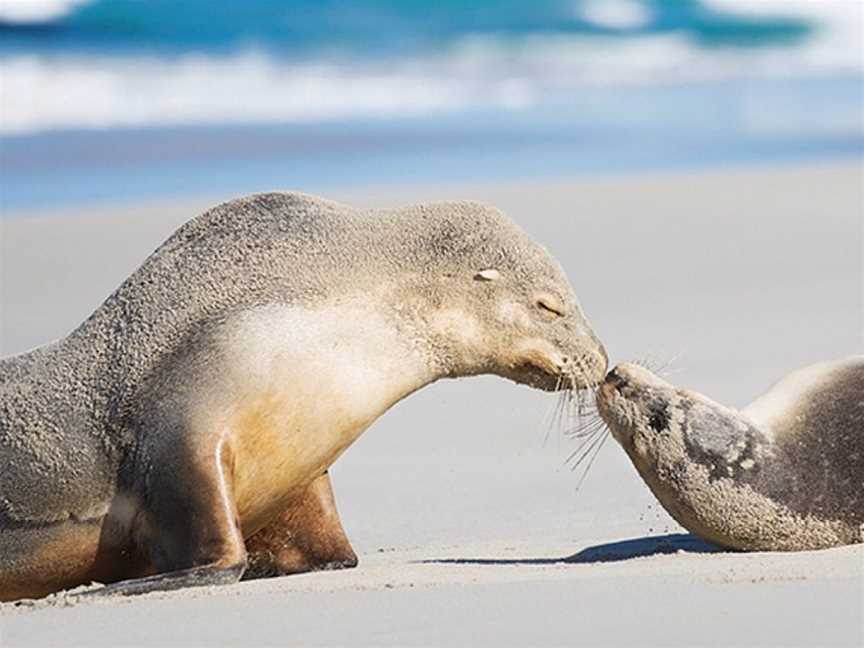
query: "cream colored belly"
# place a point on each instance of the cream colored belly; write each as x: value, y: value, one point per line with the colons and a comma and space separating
x: 277, y: 450
x: 297, y: 387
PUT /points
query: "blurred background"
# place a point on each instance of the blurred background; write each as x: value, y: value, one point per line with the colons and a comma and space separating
x: 695, y: 165
x: 106, y: 100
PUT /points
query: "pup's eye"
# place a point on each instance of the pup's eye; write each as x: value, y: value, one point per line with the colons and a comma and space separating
x: 550, y: 305
x: 659, y: 417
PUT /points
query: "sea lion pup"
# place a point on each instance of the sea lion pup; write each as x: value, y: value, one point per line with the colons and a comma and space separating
x: 196, y: 412
x: 784, y: 474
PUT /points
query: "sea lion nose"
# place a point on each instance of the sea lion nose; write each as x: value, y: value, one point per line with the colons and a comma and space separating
x: 615, y: 379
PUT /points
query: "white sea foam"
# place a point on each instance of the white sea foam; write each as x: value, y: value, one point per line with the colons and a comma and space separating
x: 30, y: 12
x: 479, y: 72
x: 42, y: 93
x: 839, y: 37
x: 614, y: 14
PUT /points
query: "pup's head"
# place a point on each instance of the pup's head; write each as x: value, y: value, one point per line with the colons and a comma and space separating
x: 655, y: 422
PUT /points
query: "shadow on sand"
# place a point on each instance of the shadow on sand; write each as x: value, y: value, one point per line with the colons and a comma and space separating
x: 610, y: 552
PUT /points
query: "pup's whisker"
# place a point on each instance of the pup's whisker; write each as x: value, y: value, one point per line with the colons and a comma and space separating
x: 584, y: 449
x: 591, y: 461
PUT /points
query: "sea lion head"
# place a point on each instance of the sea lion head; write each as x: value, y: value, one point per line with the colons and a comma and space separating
x: 658, y: 423
x: 500, y: 304
x: 727, y: 476
x: 697, y: 457
x: 638, y: 407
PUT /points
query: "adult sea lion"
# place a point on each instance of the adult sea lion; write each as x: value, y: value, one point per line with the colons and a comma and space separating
x: 784, y: 474
x: 184, y: 430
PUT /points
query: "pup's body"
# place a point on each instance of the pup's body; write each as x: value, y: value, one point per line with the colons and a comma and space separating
x: 784, y: 474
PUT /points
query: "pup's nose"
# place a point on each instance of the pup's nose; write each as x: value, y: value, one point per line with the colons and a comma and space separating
x: 615, y: 379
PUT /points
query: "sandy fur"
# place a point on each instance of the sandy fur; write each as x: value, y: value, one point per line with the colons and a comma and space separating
x: 249, y: 350
x: 743, y: 498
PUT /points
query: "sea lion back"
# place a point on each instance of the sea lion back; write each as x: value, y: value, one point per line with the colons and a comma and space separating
x: 816, y: 418
x: 53, y: 467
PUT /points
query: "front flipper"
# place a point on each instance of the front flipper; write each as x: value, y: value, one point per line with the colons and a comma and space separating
x: 190, y: 529
x: 307, y: 536
x: 206, y: 575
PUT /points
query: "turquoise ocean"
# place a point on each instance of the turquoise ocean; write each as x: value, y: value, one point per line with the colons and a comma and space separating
x: 112, y: 100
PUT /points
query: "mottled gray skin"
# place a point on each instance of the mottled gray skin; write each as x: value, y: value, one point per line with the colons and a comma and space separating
x: 784, y: 474
x: 94, y: 433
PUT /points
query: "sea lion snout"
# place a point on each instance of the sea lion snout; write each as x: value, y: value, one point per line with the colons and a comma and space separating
x: 614, y: 380
x: 546, y: 365
x: 579, y: 357
x: 633, y: 373
x: 628, y: 374
x: 587, y: 363
x: 633, y: 400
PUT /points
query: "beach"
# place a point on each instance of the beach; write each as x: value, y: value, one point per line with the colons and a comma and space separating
x: 459, y: 501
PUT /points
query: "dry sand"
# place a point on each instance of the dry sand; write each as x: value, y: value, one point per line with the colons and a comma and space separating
x: 468, y: 524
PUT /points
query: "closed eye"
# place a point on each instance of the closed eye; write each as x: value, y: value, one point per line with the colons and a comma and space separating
x: 545, y: 305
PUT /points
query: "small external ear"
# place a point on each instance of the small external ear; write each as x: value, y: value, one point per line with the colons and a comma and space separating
x: 490, y: 274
